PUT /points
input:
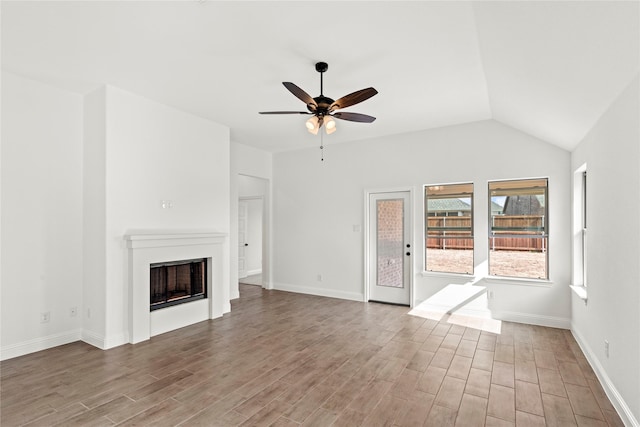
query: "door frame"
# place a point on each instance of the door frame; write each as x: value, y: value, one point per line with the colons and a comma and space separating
x: 365, y: 231
x: 267, y: 227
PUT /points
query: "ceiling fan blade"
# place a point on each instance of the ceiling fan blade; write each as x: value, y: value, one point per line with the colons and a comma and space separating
x: 301, y: 95
x: 284, y: 112
x: 353, y: 98
x: 354, y: 117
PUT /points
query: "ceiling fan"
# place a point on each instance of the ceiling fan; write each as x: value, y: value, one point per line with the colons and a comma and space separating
x: 324, y: 109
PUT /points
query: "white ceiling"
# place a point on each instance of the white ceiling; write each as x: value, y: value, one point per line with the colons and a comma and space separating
x: 547, y: 68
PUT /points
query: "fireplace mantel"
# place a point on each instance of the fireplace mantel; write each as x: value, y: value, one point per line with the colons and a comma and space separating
x: 163, y: 239
x: 148, y: 247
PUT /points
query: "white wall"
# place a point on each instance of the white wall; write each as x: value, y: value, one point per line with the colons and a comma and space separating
x: 249, y: 161
x: 94, y: 276
x: 317, y: 204
x: 41, y: 215
x: 611, y: 151
x: 153, y: 153
x: 249, y: 186
x: 252, y: 161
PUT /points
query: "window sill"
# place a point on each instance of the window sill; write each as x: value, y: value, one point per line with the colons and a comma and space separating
x: 581, y: 291
x: 450, y: 275
x: 520, y: 281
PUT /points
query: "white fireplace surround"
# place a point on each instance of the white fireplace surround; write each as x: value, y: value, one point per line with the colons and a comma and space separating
x: 146, y: 248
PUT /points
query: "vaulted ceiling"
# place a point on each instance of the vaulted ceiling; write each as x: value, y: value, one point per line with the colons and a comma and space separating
x: 547, y: 68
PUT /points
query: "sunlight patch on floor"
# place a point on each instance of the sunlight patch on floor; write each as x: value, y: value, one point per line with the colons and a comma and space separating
x: 463, y: 305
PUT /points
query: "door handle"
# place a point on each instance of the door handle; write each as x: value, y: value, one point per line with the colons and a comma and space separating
x: 246, y: 244
x: 408, y: 253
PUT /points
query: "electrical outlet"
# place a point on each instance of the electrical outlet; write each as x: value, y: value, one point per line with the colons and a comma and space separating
x: 319, y: 278
x: 606, y: 348
x: 489, y: 294
x: 45, y: 316
x: 73, y: 311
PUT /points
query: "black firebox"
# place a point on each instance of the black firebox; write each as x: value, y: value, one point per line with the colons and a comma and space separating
x: 177, y: 282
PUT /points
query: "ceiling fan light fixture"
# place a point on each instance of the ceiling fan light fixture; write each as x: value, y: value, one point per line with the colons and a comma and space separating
x: 313, y: 125
x: 330, y: 125
x: 323, y: 109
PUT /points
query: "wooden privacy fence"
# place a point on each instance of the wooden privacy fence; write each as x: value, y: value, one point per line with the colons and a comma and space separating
x: 454, y: 232
x: 449, y: 232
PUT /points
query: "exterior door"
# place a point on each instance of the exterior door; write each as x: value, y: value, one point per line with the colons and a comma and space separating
x: 242, y: 238
x: 390, y: 247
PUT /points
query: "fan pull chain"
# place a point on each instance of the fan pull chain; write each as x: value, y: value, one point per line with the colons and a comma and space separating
x: 321, y: 146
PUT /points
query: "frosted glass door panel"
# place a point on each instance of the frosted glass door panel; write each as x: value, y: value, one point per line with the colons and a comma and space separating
x: 389, y: 247
x: 390, y: 240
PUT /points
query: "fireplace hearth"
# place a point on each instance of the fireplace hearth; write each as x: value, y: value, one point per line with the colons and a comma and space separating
x: 177, y: 282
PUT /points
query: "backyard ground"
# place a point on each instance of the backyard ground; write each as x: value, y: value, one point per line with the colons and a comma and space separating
x: 501, y: 263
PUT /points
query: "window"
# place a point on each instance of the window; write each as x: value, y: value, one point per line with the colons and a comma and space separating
x: 583, y: 206
x: 518, y: 228
x: 580, y: 226
x: 449, y: 228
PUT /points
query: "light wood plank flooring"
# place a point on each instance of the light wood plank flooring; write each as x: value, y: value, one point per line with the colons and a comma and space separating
x: 254, y: 279
x: 284, y: 359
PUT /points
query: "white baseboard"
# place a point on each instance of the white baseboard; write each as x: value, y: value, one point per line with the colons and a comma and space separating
x: 103, y: 342
x: 31, y: 346
x: 532, y: 319
x: 116, y: 340
x: 94, y: 339
x: 321, y: 292
x: 254, y: 272
x: 612, y: 393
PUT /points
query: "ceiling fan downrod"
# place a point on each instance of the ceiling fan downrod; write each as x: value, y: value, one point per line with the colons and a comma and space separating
x: 321, y: 67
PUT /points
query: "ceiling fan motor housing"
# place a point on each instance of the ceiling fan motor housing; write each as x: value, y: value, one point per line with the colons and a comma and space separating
x: 323, y: 103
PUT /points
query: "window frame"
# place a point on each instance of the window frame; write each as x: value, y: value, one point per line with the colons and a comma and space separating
x: 583, y: 207
x: 470, y: 229
x: 544, y: 234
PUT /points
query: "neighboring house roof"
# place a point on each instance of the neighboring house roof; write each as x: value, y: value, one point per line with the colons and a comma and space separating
x: 457, y: 205
x: 524, y: 205
x: 447, y: 205
x: 496, y: 207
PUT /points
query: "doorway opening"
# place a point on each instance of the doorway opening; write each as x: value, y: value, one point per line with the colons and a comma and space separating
x: 252, y: 196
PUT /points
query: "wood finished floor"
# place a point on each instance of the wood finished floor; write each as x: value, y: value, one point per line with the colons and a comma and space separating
x: 285, y: 359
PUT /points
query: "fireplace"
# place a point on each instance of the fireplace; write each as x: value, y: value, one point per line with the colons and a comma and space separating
x: 177, y: 282
x: 155, y: 248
